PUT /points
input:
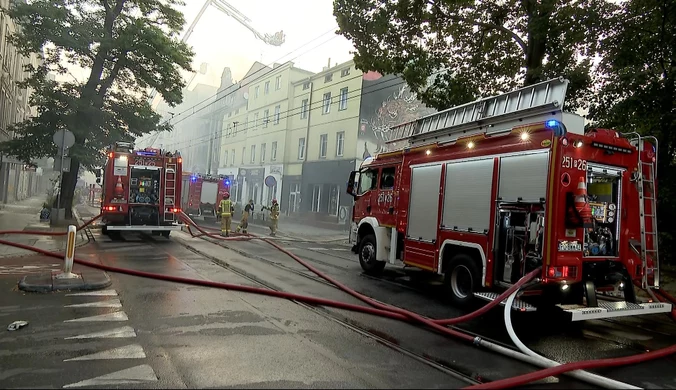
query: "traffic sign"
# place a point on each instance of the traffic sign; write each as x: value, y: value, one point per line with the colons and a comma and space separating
x: 64, y: 139
x: 62, y: 164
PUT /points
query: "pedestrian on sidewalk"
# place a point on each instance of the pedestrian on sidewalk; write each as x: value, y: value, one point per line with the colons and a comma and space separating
x: 227, y: 208
x: 244, y: 223
x: 274, y: 216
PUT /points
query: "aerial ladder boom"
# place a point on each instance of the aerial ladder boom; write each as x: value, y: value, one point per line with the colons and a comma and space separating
x: 488, y: 116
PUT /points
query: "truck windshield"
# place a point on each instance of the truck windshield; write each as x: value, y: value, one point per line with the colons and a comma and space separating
x: 367, y: 181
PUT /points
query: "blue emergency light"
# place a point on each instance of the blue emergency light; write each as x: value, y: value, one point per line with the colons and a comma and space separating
x: 551, y: 123
x: 226, y: 181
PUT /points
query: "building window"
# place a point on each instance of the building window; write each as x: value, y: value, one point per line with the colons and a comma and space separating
x: 328, y: 78
x: 255, y: 121
x: 316, y: 197
x: 243, y: 154
x: 343, y: 99
x: 278, y: 110
x: 303, y: 109
x: 334, y: 200
x: 273, y: 151
x: 340, y: 143
x: 301, y: 148
x: 262, y: 153
x: 326, y: 104
x: 225, y: 158
x: 323, y: 141
x: 253, y: 153
x: 266, y: 114
x: 256, y: 91
x: 234, y: 127
x: 345, y: 72
x: 306, y: 86
x: 228, y: 131
x: 294, y: 198
x: 278, y: 83
x: 233, y: 157
x: 267, y: 87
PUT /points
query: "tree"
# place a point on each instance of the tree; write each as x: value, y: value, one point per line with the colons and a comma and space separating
x: 128, y: 46
x: 452, y: 51
x: 637, y: 93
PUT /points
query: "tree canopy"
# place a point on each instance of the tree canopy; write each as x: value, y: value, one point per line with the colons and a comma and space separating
x: 452, y: 51
x: 128, y: 46
x: 637, y: 92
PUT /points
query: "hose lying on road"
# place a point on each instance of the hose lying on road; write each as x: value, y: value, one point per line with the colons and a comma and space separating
x: 378, y: 309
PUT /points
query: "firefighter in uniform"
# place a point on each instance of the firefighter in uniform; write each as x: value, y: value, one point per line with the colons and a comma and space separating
x: 244, y: 223
x: 274, y: 216
x: 226, y: 208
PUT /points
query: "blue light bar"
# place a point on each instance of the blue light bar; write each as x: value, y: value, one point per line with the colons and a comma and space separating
x: 552, y: 123
x: 144, y: 153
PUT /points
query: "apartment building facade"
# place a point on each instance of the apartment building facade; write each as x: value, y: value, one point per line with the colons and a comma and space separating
x: 17, y: 181
x: 259, y: 133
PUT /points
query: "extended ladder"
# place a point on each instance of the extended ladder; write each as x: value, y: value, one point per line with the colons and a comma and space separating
x: 169, y: 191
x: 493, y: 115
x: 645, y: 180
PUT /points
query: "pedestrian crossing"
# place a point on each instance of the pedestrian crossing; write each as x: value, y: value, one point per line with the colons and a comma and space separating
x: 91, y: 344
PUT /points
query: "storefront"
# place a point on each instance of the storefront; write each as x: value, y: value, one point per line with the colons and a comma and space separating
x: 323, y: 189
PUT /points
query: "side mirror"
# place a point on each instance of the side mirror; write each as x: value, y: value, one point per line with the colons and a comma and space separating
x: 351, y: 190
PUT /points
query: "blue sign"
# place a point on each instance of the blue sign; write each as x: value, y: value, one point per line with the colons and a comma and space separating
x: 270, y: 181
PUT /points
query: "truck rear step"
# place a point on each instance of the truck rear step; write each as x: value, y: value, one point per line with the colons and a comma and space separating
x: 518, y: 304
x: 608, y: 309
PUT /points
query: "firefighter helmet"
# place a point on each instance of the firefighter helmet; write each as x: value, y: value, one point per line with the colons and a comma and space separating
x: 274, y: 201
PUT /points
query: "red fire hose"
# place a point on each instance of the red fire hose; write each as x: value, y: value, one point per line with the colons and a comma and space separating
x: 378, y: 308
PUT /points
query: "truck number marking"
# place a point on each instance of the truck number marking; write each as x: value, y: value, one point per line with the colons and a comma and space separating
x: 145, y: 161
x: 574, y: 163
x: 385, y: 197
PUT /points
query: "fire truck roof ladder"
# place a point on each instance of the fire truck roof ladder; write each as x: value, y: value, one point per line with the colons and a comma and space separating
x: 490, y: 116
x: 170, y: 190
x: 647, y: 176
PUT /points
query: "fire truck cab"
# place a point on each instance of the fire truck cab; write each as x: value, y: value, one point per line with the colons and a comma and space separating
x: 141, y: 190
x: 484, y: 193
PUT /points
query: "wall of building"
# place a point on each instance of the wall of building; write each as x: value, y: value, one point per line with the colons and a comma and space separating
x: 17, y: 182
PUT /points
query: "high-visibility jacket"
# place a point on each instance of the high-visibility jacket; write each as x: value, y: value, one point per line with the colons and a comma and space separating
x: 226, y: 207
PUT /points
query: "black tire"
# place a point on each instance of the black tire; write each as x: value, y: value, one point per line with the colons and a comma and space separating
x: 367, y: 256
x: 462, y: 279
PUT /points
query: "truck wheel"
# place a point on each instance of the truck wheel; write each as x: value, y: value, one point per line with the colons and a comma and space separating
x: 367, y: 256
x: 462, y: 280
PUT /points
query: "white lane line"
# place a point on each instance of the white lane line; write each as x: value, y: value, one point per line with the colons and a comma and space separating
x: 117, y: 333
x: 339, y: 249
x: 133, y: 351
x: 100, y: 293
x: 116, y: 316
x: 318, y: 249
x: 136, y: 375
x: 114, y: 303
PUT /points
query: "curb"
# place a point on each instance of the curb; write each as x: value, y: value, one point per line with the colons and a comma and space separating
x: 46, y: 282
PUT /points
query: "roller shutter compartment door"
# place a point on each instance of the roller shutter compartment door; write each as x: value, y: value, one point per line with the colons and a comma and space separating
x: 423, y: 209
x: 524, y: 178
x: 467, y: 196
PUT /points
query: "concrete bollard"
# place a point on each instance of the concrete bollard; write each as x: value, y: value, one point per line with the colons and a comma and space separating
x: 71, y: 238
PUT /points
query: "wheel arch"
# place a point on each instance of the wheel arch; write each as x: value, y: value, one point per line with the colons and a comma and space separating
x: 449, y: 248
x: 370, y: 225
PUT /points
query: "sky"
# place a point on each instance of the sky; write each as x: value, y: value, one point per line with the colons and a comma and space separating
x: 219, y: 40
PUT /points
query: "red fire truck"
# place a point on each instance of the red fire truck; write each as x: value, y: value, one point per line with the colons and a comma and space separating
x: 141, y: 190
x: 203, y: 194
x: 484, y: 193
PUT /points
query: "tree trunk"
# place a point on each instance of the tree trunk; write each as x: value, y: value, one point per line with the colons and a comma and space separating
x: 68, y: 182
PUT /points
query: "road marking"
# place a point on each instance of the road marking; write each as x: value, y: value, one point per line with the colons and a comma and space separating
x: 114, y: 303
x: 117, y: 333
x: 339, y: 249
x: 101, y: 293
x: 317, y: 249
x: 136, y: 375
x: 116, y: 316
x: 133, y: 351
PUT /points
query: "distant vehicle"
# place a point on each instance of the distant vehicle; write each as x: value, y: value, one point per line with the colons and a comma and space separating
x: 141, y: 190
x: 484, y: 193
x: 203, y: 194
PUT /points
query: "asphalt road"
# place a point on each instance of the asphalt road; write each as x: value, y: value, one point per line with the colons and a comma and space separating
x: 156, y: 334
x: 546, y: 334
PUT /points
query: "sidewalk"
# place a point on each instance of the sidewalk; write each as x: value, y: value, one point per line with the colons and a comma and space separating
x: 25, y: 215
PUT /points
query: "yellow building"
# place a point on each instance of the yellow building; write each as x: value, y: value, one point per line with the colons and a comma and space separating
x: 255, y: 136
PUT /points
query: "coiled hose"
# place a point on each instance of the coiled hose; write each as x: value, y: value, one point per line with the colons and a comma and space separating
x: 377, y: 309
